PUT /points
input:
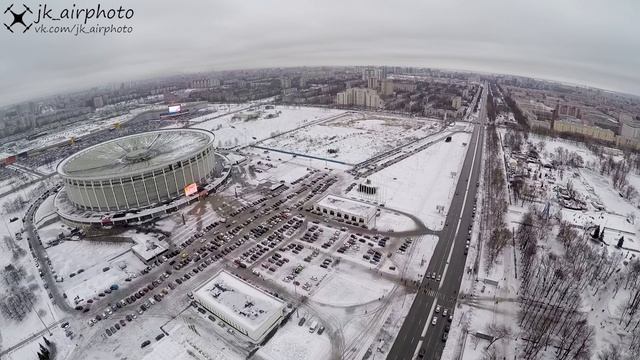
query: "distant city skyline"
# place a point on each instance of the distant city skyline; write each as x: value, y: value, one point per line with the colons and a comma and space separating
x: 580, y: 42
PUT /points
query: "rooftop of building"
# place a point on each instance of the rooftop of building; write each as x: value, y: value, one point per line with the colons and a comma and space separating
x: 350, y: 206
x: 241, y: 302
x: 148, y: 250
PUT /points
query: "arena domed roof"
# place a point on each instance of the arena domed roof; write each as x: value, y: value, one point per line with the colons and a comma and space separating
x: 135, y: 154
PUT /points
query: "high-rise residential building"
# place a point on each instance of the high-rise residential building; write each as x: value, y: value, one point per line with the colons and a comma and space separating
x: 372, y: 83
x: 386, y: 87
x: 302, y: 83
x: 371, y: 72
x: 200, y: 83
x: 367, y: 73
x: 360, y: 97
x: 98, y: 102
x: 456, y: 102
x: 285, y: 82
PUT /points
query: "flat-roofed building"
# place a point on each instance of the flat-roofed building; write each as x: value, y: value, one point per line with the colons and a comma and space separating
x: 148, y: 251
x: 342, y: 208
x: 249, y: 310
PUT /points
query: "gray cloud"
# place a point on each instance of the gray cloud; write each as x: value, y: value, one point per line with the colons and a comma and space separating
x: 581, y: 41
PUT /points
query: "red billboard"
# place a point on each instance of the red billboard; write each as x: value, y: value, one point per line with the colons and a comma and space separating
x: 190, y: 189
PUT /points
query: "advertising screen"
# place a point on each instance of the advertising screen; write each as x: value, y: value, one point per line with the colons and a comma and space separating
x: 190, y: 189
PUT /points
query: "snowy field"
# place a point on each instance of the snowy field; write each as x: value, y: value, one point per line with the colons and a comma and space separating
x: 231, y: 132
x: 24, y: 286
x: 354, y: 137
x: 13, y: 178
x: 293, y: 342
x: 413, y: 186
x: 389, y: 220
x: 276, y: 158
x: 90, y: 258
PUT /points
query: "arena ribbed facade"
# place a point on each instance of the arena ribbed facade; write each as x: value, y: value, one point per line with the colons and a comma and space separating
x: 138, y: 171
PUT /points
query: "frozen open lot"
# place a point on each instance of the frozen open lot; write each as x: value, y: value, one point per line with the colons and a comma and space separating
x: 91, y: 258
x: 231, y: 132
x: 293, y: 342
x: 354, y: 137
x: 424, y: 181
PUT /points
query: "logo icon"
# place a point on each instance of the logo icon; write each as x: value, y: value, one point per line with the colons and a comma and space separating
x: 18, y: 18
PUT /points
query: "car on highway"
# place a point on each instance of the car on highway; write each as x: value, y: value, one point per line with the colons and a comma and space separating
x: 434, y: 321
x: 438, y: 307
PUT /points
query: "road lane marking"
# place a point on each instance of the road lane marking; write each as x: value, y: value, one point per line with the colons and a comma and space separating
x: 415, y: 353
x: 464, y: 202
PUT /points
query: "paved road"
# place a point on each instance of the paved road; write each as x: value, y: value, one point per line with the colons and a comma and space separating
x: 448, y: 259
x: 41, y: 254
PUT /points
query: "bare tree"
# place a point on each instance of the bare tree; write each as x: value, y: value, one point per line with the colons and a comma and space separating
x: 498, y: 331
x: 610, y: 353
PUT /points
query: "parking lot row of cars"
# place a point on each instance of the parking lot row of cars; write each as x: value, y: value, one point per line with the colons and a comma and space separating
x: 188, y: 264
x: 256, y: 252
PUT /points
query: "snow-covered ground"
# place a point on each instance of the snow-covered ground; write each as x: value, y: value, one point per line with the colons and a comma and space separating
x: 389, y: 220
x: 424, y: 181
x: 294, y: 342
x: 361, y: 303
x: 25, y: 287
x: 231, y: 132
x: 354, y: 137
x: 493, y: 299
x: 91, y: 258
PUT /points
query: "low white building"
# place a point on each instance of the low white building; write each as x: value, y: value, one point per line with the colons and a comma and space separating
x: 249, y: 310
x: 342, y: 208
x: 148, y: 251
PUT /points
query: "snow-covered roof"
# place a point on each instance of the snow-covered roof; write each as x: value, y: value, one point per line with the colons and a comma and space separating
x: 241, y: 302
x: 149, y: 249
x: 349, y: 206
x: 132, y: 154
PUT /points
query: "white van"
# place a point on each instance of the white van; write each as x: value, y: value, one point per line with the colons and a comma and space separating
x: 313, y: 326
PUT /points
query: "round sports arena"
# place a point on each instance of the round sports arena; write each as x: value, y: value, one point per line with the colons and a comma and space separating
x: 138, y: 171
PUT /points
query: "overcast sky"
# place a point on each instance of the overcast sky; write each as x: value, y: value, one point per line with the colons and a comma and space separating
x: 591, y: 42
